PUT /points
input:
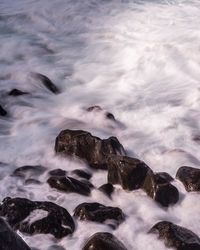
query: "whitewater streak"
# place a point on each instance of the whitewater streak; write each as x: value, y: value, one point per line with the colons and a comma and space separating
x: 137, y: 59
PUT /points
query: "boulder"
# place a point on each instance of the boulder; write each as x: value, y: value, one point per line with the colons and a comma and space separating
x: 17, y: 92
x: 175, y: 236
x: 107, y: 189
x: 20, y: 213
x: 130, y: 173
x: 103, y: 241
x: 3, y: 112
x: 158, y: 187
x: 87, y: 147
x: 99, y: 213
x: 9, y: 240
x: 69, y: 184
x: 57, y: 172
x: 190, y: 177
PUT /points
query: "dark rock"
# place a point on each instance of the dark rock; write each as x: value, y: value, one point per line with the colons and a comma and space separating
x: 47, y: 82
x: 29, y: 171
x: 129, y: 172
x: 82, y: 173
x: 159, y: 189
x: 58, y: 222
x: 110, y: 116
x: 9, y: 240
x: 87, y: 147
x: 190, y: 177
x: 99, y: 213
x: 57, y: 172
x: 17, y: 92
x: 97, y: 108
x: 3, y: 112
x: 103, y: 241
x: 69, y: 184
x: 164, y: 177
x: 107, y: 189
x: 175, y: 236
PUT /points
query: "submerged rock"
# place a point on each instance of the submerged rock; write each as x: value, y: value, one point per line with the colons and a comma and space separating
x: 57, y: 172
x: 17, y: 92
x: 107, y: 189
x: 99, y: 213
x: 3, y: 112
x: 87, y: 147
x: 159, y: 188
x: 29, y: 171
x: 103, y: 241
x: 175, y: 236
x: 18, y: 212
x: 97, y: 108
x: 9, y: 240
x: 69, y: 184
x: 82, y: 173
x: 130, y: 173
x: 47, y: 82
x: 190, y: 177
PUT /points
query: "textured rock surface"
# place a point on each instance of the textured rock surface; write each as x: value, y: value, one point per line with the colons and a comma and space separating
x: 9, y: 240
x: 175, y: 236
x: 87, y: 147
x: 103, y: 241
x: 190, y: 177
x: 58, y: 221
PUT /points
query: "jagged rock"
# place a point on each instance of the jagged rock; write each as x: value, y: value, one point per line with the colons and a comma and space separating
x: 9, y: 240
x: 128, y: 172
x: 97, y: 108
x: 19, y: 213
x: 17, y: 92
x: 159, y: 189
x: 107, y: 189
x: 29, y: 171
x: 82, y: 173
x: 103, y: 241
x: 69, y: 184
x: 100, y: 213
x: 175, y: 236
x: 87, y: 147
x: 3, y: 112
x: 57, y: 172
x: 190, y: 177
x: 46, y: 82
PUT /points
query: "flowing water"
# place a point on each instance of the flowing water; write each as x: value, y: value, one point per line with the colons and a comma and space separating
x: 139, y: 60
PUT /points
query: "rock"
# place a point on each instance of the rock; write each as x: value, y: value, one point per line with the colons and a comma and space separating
x: 82, y: 173
x: 3, y: 112
x: 190, y: 177
x: 46, y: 82
x: 175, y: 236
x: 103, y: 241
x: 107, y: 189
x: 87, y: 147
x: 163, y: 176
x: 29, y: 171
x: 130, y: 173
x: 9, y: 240
x: 17, y: 92
x: 57, y: 172
x: 20, y: 214
x: 97, y: 108
x: 159, y: 189
x: 69, y: 184
x: 99, y: 213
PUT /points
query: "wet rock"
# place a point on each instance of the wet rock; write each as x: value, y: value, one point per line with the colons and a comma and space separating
x: 29, y: 171
x: 68, y: 185
x: 103, y: 241
x: 175, y: 236
x: 46, y: 82
x: 163, y: 176
x: 99, y: 213
x: 107, y: 189
x: 17, y: 92
x: 97, y: 108
x: 159, y: 189
x: 3, y: 112
x: 87, y: 147
x: 190, y: 177
x: 57, y: 172
x: 9, y: 240
x: 82, y: 173
x: 18, y: 212
x: 130, y: 173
